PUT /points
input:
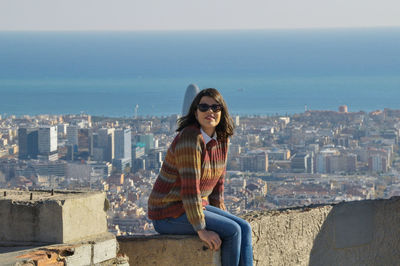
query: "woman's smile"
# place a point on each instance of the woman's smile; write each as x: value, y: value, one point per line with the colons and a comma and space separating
x: 209, y: 119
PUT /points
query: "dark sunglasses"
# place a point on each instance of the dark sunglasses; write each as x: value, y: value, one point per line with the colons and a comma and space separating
x: 203, y: 107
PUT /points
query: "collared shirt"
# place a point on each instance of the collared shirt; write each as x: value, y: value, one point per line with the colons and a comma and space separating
x: 207, y: 138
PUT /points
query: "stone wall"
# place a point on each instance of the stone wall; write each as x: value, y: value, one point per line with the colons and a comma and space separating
x: 351, y: 233
x: 286, y: 237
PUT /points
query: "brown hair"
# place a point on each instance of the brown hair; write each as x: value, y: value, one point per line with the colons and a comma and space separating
x: 225, y: 127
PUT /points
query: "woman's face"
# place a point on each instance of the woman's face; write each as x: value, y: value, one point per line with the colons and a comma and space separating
x: 209, y: 119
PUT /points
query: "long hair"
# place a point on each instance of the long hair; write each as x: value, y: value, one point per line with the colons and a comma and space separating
x: 225, y: 127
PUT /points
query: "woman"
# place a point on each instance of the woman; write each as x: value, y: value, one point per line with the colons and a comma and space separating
x: 187, y: 197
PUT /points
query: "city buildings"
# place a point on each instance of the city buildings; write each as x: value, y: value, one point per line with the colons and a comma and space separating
x: 254, y: 162
x: 273, y: 162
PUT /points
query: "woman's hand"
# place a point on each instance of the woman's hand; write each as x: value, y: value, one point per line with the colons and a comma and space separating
x: 210, y: 238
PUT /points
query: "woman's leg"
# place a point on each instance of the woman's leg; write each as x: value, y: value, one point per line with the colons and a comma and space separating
x: 246, y: 249
x: 228, y: 230
x: 174, y: 226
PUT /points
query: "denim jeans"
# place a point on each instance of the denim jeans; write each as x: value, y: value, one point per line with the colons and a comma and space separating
x: 235, y: 233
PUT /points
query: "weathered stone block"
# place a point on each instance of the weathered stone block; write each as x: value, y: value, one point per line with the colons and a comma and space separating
x: 99, y: 250
x: 59, y: 217
x: 167, y: 251
x: 82, y: 256
x: 104, y: 249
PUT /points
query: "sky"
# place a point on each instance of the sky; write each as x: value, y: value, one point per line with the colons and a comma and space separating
x: 121, y: 15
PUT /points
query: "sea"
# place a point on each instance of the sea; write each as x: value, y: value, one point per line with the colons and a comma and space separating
x: 259, y: 72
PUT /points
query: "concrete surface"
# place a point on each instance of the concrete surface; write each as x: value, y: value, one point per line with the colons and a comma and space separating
x: 351, y: 233
x: 359, y: 233
x: 285, y: 237
x: 104, y: 250
x: 167, y: 251
x: 99, y: 250
x: 51, y: 217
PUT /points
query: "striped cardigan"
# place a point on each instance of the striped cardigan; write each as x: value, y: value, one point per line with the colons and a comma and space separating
x: 192, y: 175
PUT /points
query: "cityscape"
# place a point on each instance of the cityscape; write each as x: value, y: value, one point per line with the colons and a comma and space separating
x: 274, y: 162
x: 91, y: 96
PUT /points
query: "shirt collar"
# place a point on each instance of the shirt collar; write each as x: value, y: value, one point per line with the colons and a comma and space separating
x: 207, y: 138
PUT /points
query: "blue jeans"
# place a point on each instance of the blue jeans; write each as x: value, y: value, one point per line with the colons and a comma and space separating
x: 235, y: 233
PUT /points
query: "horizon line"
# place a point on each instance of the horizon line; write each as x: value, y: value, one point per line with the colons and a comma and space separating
x: 203, y: 30
x: 145, y: 116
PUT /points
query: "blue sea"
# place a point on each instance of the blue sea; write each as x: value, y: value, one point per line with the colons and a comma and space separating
x: 261, y: 72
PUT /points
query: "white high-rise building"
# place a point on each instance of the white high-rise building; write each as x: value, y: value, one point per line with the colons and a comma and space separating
x: 122, y: 143
x: 47, y: 140
x: 237, y: 120
x: 123, y: 149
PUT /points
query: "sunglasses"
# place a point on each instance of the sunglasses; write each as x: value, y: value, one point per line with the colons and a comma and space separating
x: 203, y: 107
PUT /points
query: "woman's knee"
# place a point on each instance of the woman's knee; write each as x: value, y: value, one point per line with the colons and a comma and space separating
x: 226, y: 229
x: 246, y: 227
x: 233, y: 229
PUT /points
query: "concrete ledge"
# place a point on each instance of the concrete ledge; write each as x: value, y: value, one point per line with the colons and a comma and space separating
x: 355, y: 233
x: 167, y: 250
x: 51, y: 216
x: 350, y: 233
x: 101, y: 250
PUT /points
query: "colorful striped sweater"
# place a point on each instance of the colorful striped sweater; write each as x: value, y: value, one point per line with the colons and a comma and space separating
x: 192, y: 175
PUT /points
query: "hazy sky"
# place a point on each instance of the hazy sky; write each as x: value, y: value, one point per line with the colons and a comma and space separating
x: 195, y: 14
